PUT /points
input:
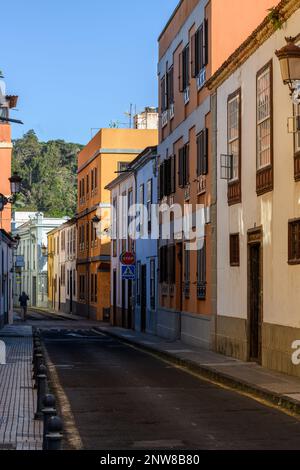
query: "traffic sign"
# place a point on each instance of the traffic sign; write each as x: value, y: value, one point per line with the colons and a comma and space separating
x: 128, y: 272
x: 127, y: 258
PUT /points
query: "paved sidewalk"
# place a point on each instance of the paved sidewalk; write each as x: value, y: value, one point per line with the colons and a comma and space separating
x: 278, y: 388
x: 18, y: 430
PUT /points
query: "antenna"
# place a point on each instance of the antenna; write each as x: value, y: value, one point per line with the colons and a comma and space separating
x: 130, y: 115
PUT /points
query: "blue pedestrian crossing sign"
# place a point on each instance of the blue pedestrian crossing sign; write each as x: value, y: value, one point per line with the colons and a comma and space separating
x: 128, y: 272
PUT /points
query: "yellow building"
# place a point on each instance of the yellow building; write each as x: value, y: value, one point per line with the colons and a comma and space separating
x: 98, y: 163
x: 51, y: 286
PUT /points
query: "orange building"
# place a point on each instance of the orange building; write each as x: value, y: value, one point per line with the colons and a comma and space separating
x: 98, y: 163
x: 197, y: 39
x: 6, y: 103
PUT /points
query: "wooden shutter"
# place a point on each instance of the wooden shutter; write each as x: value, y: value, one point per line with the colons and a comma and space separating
x: 234, y: 249
x: 201, y: 272
x: 180, y: 73
x: 186, y: 164
x: 194, y: 55
x: 170, y: 86
x: 205, y: 42
x: 173, y: 174
x: 205, y: 151
x: 161, y: 180
x: 163, y: 93
x: 180, y: 169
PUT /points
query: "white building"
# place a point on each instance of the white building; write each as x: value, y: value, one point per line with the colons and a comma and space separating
x: 147, y: 119
x: 122, y: 291
x: 258, y: 235
x: 62, y: 272
x: 6, y: 278
x: 33, y: 276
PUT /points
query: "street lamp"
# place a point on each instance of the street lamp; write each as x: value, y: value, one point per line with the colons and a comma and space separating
x: 15, y: 187
x: 289, y: 58
x: 15, y: 183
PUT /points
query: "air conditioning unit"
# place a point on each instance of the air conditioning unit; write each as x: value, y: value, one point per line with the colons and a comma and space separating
x: 201, y: 78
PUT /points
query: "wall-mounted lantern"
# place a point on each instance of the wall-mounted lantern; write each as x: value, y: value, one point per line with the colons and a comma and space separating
x: 289, y: 58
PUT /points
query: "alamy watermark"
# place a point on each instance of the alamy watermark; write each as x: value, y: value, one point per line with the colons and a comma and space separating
x: 120, y: 221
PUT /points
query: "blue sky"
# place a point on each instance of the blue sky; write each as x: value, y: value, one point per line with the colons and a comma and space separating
x: 78, y: 64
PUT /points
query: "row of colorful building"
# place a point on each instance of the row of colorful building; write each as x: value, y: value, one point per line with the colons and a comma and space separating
x: 228, y: 140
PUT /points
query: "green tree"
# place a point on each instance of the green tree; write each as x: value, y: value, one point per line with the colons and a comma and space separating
x: 49, y: 173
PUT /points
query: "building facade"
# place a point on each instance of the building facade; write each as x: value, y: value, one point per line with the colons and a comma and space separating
x: 62, y: 274
x: 196, y: 40
x: 7, y: 102
x: 122, y: 299
x: 145, y: 168
x: 107, y: 153
x: 33, y: 276
x: 258, y: 231
x: 134, y: 301
x: 6, y: 278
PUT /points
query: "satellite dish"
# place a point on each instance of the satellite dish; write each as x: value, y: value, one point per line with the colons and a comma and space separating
x: 296, y: 93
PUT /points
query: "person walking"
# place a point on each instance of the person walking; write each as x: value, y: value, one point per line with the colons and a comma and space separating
x: 23, y: 299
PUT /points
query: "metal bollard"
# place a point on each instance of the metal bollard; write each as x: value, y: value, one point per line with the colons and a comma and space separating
x: 48, y: 411
x: 38, y: 359
x: 41, y: 390
x: 54, y: 436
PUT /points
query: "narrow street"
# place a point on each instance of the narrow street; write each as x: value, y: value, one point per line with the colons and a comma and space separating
x: 124, y: 398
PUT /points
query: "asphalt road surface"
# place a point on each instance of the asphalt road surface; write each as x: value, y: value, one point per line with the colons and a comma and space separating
x: 124, y: 398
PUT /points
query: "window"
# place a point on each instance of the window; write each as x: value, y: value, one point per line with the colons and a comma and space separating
x: 62, y: 275
x: 82, y: 287
x: 141, y: 202
x: 171, y: 264
x: 68, y: 282
x: 130, y: 203
x: 114, y: 227
x: 167, y: 177
x: 94, y: 288
x: 184, y: 166
x: 294, y: 242
x: 199, y: 51
x: 149, y: 203
x: 201, y: 270
x: 170, y: 87
x: 124, y: 227
x: 297, y: 134
x: 163, y: 94
x: 297, y: 142
x: 234, y: 245
x: 233, y: 133
x: 74, y: 282
x: 152, y: 284
x: 138, y: 283
x: 184, y: 69
x: 95, y: 178
x: 87, y: 184
x: 186, y: 271
x: 163, y: 264
x: 264, y: 111
x: 202, y: 153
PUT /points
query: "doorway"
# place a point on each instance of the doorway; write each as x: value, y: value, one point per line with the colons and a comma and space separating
x: 71, y: 290
x: 143, y: 296
x: 129, y: 300
x: 254, y: 296
x: 34, y: 286
x: 114, y: 306
x: 123, y: 303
